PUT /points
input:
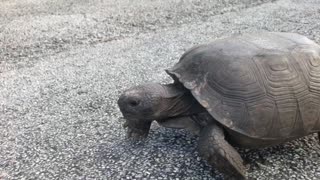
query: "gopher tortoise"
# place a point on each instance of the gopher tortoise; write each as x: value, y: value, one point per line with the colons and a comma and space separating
x: 250, y: 90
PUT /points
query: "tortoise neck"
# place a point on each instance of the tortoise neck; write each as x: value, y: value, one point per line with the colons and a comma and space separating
x: 179, y: 101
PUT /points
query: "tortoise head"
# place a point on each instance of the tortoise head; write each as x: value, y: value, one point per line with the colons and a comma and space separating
x: 142, y: 104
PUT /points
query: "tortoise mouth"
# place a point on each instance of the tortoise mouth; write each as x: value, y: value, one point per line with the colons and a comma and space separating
x: 137, y: 129
x: 136, y: 134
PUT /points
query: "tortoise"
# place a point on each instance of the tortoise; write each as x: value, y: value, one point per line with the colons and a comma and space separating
x: 249, y: 90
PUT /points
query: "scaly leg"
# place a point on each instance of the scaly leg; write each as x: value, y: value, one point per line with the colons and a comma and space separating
x: 220, y: 154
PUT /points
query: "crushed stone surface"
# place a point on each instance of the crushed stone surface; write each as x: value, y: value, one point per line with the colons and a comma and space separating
x: 63, y: 64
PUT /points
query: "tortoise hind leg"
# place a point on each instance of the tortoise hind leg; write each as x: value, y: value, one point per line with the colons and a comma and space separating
x: 220, y: 154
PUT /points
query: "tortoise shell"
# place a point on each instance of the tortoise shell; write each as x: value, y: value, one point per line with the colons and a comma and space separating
x: 264, y: 86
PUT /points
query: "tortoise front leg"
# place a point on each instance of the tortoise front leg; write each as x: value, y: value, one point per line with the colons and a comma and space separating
x: 184, y: 122
x: 219, y: 153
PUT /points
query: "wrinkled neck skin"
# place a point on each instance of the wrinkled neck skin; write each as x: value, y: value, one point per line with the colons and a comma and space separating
x: 174, y: 101
x: 178, y: 102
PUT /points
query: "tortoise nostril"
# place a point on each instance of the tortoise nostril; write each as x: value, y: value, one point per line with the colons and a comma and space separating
x: 134, y: 102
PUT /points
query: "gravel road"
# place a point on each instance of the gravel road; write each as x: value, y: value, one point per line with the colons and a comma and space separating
x: 63, y: 64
